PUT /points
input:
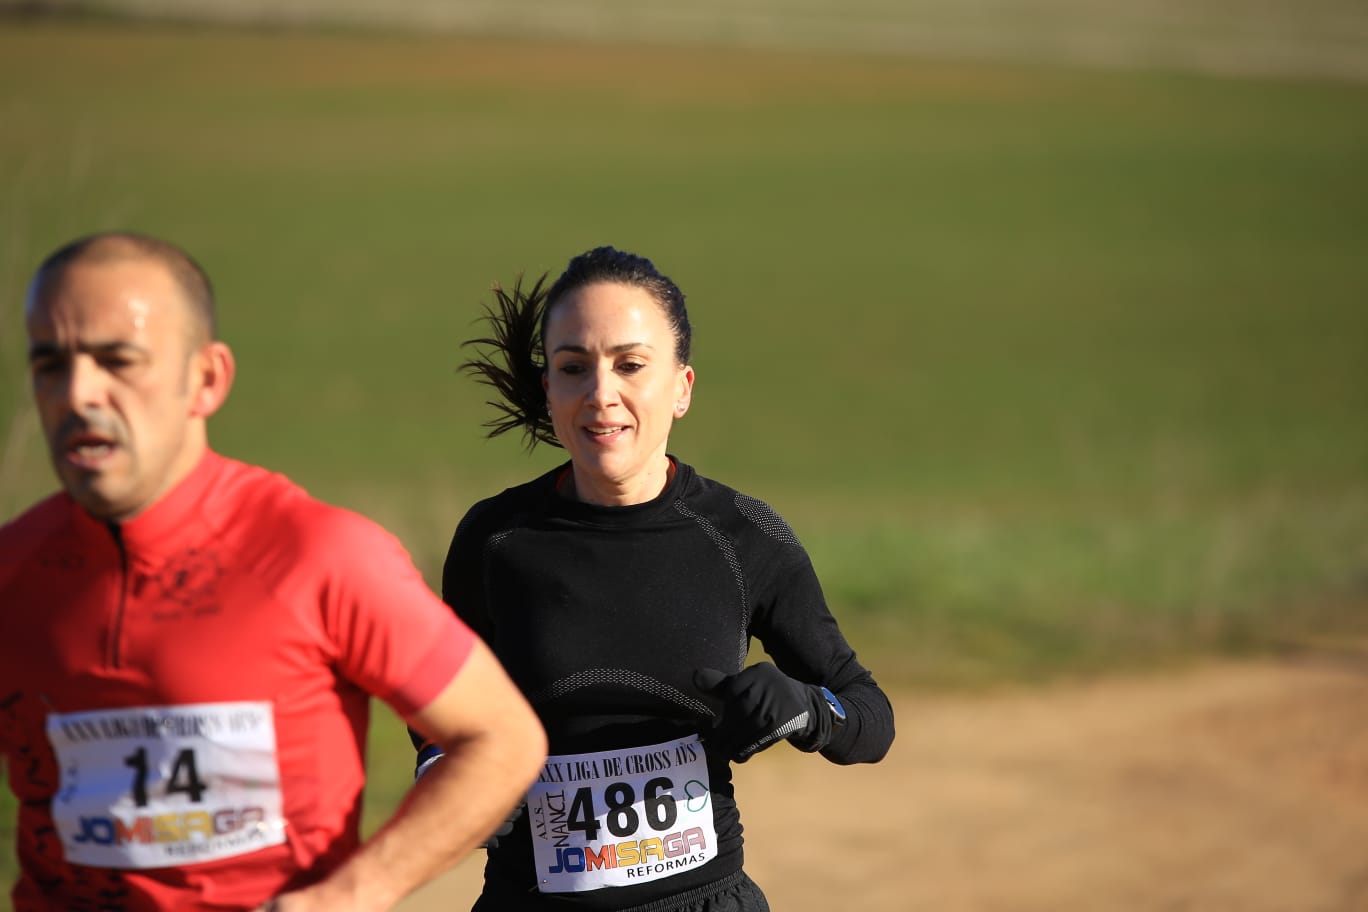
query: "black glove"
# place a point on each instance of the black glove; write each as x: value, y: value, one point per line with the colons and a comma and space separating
x: 761, y: 707
x: 504, y: 828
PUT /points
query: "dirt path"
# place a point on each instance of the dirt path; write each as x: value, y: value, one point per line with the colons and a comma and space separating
x: 1231, y: 787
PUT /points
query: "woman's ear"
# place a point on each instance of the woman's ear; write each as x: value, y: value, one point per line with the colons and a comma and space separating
x: 684, y: 391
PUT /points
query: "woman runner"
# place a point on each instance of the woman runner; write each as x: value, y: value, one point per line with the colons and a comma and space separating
x: 622, y: 591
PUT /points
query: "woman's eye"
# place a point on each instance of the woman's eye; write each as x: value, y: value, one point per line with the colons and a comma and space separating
x: 630, y: 367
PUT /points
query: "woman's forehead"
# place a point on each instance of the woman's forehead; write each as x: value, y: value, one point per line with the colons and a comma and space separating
x: 613, y: 313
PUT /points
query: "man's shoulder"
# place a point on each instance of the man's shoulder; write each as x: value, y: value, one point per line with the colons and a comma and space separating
x: 36, y: 524
x: 278, y: 506
x: 25, y: 534
x: 50, y: 511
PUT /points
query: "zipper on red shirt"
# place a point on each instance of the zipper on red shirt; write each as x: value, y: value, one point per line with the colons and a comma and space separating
x: 116, y: 629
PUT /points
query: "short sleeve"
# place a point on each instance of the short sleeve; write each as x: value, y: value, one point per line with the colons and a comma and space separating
x: 392, y: 635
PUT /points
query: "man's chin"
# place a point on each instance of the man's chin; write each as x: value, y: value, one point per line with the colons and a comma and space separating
x: 93, y: 494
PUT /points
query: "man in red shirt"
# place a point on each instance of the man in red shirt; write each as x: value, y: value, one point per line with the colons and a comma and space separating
x: 189, y: 644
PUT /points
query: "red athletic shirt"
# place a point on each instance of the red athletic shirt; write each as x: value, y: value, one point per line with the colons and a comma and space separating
x: 184, y: 698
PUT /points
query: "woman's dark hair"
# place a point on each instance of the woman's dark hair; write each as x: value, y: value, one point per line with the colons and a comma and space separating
x: 512, y: 359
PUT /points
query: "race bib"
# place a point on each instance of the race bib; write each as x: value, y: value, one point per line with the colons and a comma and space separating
x: 156, y: 786
x: 621, y: 817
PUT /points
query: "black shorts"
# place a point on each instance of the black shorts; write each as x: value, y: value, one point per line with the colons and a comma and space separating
x: 733, y: 893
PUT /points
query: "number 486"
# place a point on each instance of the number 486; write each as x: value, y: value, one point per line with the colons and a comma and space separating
x: 621, y: 817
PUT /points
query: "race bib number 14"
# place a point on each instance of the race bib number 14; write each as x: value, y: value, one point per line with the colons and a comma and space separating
x: 621, y: 817
x: 155, y: 786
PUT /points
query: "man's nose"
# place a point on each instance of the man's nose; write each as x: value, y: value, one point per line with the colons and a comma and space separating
x: 85, y: 383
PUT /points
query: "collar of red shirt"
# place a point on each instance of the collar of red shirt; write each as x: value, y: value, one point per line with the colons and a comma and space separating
x: 169, y: 525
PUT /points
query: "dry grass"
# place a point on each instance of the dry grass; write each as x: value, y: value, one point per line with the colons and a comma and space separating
x: 1316, y: 37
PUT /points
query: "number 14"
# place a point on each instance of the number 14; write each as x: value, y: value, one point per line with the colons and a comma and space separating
x: 184, y: 776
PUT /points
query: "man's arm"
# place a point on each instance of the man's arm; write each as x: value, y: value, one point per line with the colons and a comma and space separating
x: 494, y: 746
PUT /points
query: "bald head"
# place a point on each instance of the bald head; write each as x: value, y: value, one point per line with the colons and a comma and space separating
x: 124, y: 369
x: 121, y: 246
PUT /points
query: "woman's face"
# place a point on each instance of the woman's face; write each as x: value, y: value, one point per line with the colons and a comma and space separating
x: 614, y: 390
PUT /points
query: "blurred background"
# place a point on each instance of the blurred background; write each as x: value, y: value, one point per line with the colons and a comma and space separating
x: 1044, y: 322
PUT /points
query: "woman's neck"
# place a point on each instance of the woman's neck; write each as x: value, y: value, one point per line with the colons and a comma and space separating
x: 642, y: 488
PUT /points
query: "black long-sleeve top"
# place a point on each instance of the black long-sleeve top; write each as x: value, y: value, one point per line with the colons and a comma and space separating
x: 602, y: 615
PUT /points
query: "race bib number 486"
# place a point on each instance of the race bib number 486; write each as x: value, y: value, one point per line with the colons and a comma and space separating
x: 621, y: 817
x: 155, y: 786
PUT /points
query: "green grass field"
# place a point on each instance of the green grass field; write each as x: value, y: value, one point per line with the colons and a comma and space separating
x: 1053, y: 370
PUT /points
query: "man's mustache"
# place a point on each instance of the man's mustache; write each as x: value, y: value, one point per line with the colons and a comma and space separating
x: 88, y: 422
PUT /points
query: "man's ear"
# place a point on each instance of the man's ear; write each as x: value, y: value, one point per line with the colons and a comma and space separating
x: 213, y: 369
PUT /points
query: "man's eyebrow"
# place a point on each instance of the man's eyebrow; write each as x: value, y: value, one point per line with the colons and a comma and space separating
x: 49, y: 350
